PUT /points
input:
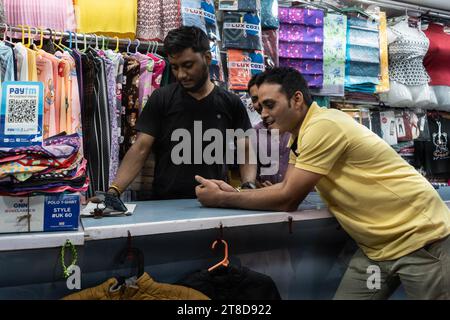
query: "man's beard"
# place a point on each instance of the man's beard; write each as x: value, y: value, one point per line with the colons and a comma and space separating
x: 201, y: 82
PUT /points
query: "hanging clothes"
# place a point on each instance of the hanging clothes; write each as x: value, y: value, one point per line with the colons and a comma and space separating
x: 117, y: 18
x: 54, y: 14
x: 334, y: 50
x: 6, y: 63
x: 130, y: 103
x: 143, y: 288
x: 232, y: 283
x: 156, y: 18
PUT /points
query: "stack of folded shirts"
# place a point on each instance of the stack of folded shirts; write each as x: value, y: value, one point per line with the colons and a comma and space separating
x: 56, y: 166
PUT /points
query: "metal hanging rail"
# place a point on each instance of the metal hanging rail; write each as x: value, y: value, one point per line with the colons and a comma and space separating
x: 389, y: 4
x: 80, y: 38
x: 383, y: 4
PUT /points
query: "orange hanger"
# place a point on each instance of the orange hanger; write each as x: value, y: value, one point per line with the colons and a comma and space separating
x: 225, y: 261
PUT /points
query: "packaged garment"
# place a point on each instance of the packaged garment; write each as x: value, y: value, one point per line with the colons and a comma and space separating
x: 242, y: 65
x: 403, y: 124
x: 270, y: 44
x: 240, y: 5
x: 242, y: 30
x: 117, y: 18
x: 300, y: 33
x: 362, y: 67
x: 310, y: 17
x: 202, y: 14
x: 384, y: 62
x: 269, y: 14
x: 304, y: 66
x: 216, y: 67
x: 334, y: 54
x: 301, y: 50
x: 388, y: 127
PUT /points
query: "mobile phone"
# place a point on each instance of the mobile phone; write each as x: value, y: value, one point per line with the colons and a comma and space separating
x: 111, y: 201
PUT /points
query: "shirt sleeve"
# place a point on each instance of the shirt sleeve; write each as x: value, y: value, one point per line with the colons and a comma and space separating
x: 149, y: 121
x: 320, y: 147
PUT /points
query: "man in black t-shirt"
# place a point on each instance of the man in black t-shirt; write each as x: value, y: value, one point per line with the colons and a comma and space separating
x: 175, y: 121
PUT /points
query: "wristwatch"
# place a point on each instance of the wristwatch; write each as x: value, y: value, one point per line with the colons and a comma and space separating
x: 248, y: 185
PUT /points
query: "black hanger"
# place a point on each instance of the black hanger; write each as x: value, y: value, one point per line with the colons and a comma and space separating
x: 131, y: 253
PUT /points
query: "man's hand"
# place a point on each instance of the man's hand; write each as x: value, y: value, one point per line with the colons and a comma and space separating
x: 209, y: 191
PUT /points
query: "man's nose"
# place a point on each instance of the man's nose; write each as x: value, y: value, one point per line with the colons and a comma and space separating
x: 264, y: 113
x: 181, y: 74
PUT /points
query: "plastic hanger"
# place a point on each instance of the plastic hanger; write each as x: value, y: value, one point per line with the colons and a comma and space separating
x: 5, y: 35
x: 137, y: 46
x: 128, y: 46
x: 225, y: 261
x: 132, y: 253
x: 23, y: 34
x: 117, y: 44
x: 41, y: 42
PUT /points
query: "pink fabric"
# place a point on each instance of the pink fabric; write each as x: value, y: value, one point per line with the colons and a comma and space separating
x: 45, y: 75
x: 54, y: 14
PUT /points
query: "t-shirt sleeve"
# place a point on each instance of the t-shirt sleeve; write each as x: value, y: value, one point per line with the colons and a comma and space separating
x: 149, y: 121
x: 240, y: 115
x: 320, y: 147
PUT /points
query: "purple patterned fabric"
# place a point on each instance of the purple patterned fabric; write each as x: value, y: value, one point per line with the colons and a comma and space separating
x: 301, y: 33
x: 54, y: 147
x: 301, y: 50
x: 311, y: 17
x: 303, y: 66
x: 314, y: 80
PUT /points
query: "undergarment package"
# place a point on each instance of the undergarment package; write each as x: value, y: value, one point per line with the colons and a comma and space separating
x: 242, y: 65
x: 269, y: 14
x: 242, y: 30
x: 202, y: 14
x: 240, y: 5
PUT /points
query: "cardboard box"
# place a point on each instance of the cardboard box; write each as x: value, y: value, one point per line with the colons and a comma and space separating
x: 39, y: 213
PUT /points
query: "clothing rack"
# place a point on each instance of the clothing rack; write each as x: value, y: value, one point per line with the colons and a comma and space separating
x: 81, y: 38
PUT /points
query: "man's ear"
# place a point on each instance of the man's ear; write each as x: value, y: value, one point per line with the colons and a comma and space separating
x: 208, y: 57
x: 298, y: 99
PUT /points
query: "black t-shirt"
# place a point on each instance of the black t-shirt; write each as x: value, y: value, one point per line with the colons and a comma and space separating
x: 170, y: 108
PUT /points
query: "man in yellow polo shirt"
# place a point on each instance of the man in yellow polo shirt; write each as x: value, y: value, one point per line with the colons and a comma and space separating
x: 396, y: 217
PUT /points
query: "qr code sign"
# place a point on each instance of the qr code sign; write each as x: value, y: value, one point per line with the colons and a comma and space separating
x: 22, y: 110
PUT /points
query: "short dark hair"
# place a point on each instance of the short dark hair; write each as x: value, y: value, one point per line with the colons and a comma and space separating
x: 177, y: 40
x: 290, y: 80
x: 252, y: 81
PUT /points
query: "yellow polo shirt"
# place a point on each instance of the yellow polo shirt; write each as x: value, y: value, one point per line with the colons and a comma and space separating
x: 382, y: 202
